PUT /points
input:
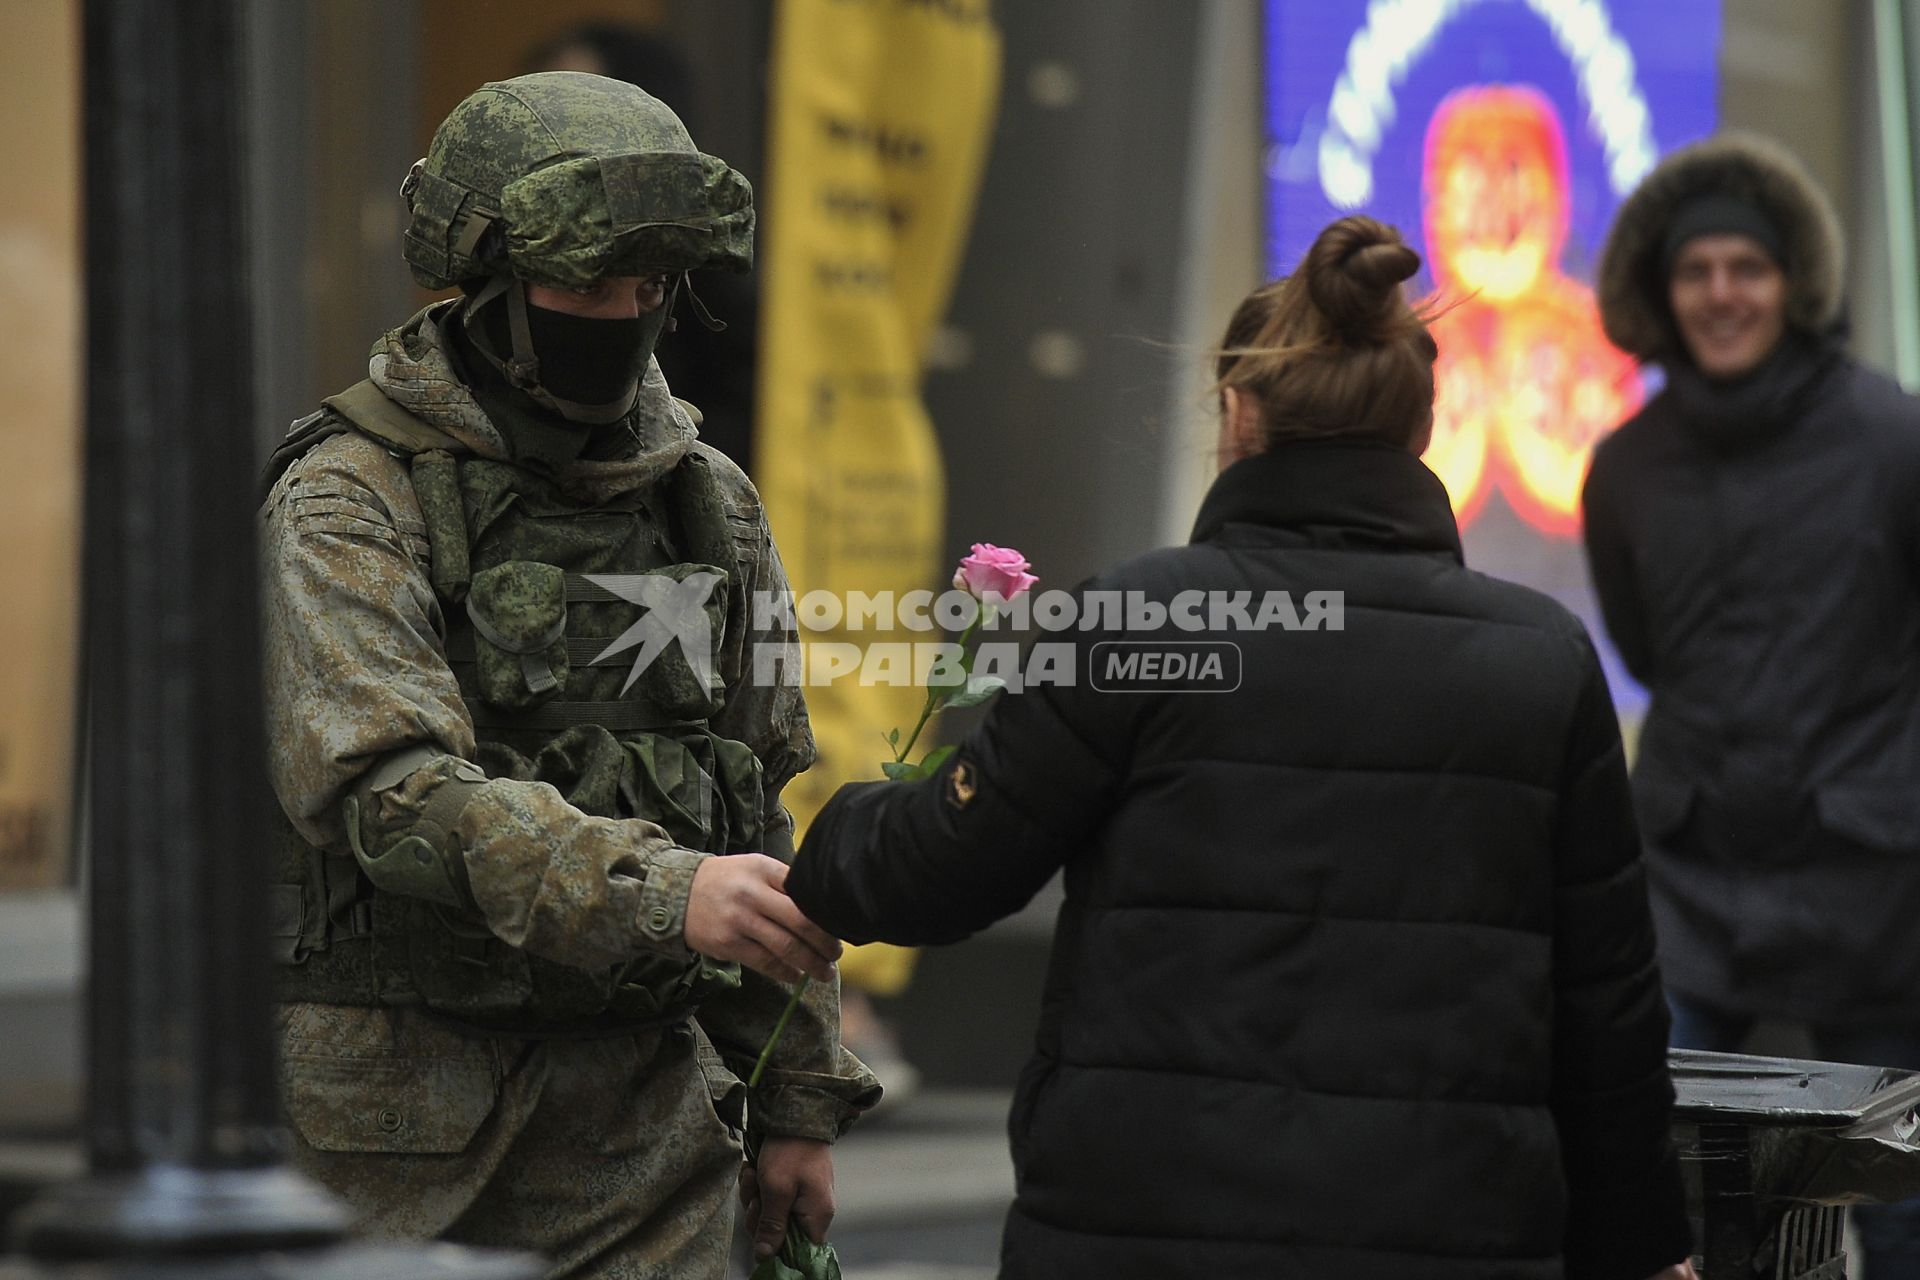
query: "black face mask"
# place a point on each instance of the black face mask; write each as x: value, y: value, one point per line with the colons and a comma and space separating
x: 592, y: 361
x: 583, y: 369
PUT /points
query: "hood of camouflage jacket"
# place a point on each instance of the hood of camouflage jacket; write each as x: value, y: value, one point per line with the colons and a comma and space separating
x: 411, y: 365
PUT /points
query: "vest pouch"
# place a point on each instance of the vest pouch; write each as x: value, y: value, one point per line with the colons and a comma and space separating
x: 676, y: 641
x: 704, y: 979
x: 647, y: 989
x: 704, y: 789
x: 455, y: 967
x: 519, y: 614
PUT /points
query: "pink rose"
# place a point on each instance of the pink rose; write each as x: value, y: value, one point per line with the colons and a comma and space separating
x: 995, y: 571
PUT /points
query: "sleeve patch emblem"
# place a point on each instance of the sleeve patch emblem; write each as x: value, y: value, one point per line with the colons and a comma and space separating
x: 960, y: 786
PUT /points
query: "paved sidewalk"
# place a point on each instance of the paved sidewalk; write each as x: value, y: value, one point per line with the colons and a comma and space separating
x: 942, y: 1155
x: 923, y: 1189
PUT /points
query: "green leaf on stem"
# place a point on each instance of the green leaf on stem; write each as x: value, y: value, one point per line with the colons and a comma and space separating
x: 813, y: 1261
x: 893, y: 737
x: 779, y: 1029
x: 936, y: 758
x: 900, y: 770
x: 799, y: 1259
x: 978, y: 690
x: 941, y: 685
x: 775, y: 1268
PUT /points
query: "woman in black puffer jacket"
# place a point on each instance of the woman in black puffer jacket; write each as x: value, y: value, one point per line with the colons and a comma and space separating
x: 1354, y: 976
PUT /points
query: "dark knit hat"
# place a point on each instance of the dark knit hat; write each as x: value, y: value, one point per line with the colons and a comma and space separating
x: 1721, y: 214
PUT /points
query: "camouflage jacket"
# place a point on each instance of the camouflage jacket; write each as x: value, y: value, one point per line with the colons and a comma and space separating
x: 356, y: 670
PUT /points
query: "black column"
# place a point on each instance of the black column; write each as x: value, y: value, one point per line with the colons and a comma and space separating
x: 185, y: 1151
x: 180, y: 1086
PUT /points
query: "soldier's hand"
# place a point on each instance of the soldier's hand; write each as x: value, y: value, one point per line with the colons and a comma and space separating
x: 738, y: 910
x: 795, y: 1175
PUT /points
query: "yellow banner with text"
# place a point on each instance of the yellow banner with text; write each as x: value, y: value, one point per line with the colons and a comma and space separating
x: 881, y: 114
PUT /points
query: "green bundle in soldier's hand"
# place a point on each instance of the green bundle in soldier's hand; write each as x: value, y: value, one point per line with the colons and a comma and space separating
x: 799, y: 1259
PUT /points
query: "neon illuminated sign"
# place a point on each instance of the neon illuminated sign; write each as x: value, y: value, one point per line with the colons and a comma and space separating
x: 1499, y: 136
x: 1397, y: 32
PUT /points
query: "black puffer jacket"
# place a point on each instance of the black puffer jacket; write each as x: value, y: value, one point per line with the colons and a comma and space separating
x: 1355, y: 972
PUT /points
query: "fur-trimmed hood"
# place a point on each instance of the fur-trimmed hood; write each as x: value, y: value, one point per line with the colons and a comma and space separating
x: 1632, y: 283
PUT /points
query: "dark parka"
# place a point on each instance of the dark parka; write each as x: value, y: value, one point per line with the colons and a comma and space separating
x: 1756, y: 551
x: 1354, y: 975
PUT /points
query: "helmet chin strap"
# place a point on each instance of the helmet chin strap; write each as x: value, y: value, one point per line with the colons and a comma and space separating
x: 523, y: 368
x: 708, y: 321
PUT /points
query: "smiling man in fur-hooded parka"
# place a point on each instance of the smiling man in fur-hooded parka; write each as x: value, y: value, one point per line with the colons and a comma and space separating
x: 1754, y: 537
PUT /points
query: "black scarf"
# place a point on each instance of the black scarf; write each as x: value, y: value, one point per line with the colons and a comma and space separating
x: 1745, y: 412
x: 537, y: 438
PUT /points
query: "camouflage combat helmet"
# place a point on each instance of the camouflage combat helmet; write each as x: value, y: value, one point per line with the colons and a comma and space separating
x: 561, y: 179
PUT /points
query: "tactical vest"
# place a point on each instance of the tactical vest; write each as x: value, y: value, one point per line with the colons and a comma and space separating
x: 548, y: 607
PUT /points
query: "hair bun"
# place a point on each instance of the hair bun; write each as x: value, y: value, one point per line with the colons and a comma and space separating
x: 1354, y: 272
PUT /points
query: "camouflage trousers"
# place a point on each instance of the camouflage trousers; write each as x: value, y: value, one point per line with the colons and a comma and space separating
x: 610, y: 1157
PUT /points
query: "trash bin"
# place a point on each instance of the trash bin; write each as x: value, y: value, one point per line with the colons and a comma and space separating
x: 1774, y: 1148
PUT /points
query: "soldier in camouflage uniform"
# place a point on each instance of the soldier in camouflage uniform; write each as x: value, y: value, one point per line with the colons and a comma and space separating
x: 513, y: 718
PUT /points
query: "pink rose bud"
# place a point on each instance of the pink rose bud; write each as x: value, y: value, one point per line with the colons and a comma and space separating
x: 995, y: 571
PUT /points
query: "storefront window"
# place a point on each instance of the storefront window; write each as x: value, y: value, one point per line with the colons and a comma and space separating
x: 40, y: 330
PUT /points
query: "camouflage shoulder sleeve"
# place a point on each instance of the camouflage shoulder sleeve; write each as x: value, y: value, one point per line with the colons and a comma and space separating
x: 355, y: 663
